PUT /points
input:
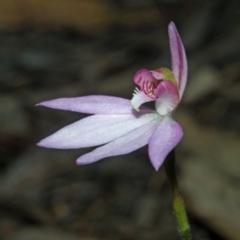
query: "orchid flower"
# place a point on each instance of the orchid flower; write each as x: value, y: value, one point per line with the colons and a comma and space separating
x: 122, y: 126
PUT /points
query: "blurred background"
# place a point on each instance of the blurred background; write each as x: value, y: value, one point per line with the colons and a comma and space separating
x: 68, y: 48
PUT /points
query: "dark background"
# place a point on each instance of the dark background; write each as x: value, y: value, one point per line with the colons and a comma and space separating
x: 68, y: 48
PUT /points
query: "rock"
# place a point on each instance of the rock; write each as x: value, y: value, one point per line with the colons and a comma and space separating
x: 221, y: 50
x: 13, y: 120
x: 202, y: 82
x: 147, y: 210
x: 35, y: 61
x: 46, y: 234
x: 199, y: 25
x: 26, y: 177
x: 90, y: 17
x: 210, y: 176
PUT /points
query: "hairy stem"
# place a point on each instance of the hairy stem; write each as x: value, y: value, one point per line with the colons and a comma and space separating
x: 178, y: 202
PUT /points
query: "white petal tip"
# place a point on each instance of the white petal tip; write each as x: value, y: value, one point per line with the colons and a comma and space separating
x: 78, y: 162
x: 39, y: 144
x: 134, y: 105
x: 41, y: 104
x: 82, y: 161
x: 42, y: 143
x: 135, y: 108
x: 138, y: 99
x: 171, y: 25
x: 156, y: 166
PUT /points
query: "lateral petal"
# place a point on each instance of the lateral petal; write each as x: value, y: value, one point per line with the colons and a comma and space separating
x: 95, y: 130
x: 167, y: 135
x: 178, y: 58
x: 167, y: 97
x: 129, y: 142
x: 95, y: 104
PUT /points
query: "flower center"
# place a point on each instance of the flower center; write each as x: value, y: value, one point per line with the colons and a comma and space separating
x: 149, y: 88
x: 160, y: 74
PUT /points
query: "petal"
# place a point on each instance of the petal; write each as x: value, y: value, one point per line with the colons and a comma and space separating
x: 167, y: 135
x: 139, y: 98
x: 92, y: 105
x: 95, y: 130
x: 157, y: 74
x: 167, y: 97
x: 129, y: 142
x: 142, y: 77
x: 166, y: 73
x: 178, y: 57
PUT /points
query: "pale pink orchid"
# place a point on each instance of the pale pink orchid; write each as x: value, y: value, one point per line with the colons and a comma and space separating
x: 119, y: 123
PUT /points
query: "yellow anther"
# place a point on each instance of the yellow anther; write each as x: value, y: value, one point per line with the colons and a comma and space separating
x: 167, y: 75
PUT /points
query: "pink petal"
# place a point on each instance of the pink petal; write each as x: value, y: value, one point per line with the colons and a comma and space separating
x: 142, y: 77
x: 95, y: 130
x: 129, y: 142
x: 157, y: 74
x: 167, y: 135
x: 168, y: 97
x: 178, y: 56
x: 92, y: 105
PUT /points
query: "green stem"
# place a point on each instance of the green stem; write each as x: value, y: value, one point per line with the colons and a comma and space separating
x: 178, y: 202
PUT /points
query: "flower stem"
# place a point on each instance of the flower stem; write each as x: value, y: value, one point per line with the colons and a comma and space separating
x: 178, y: 202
